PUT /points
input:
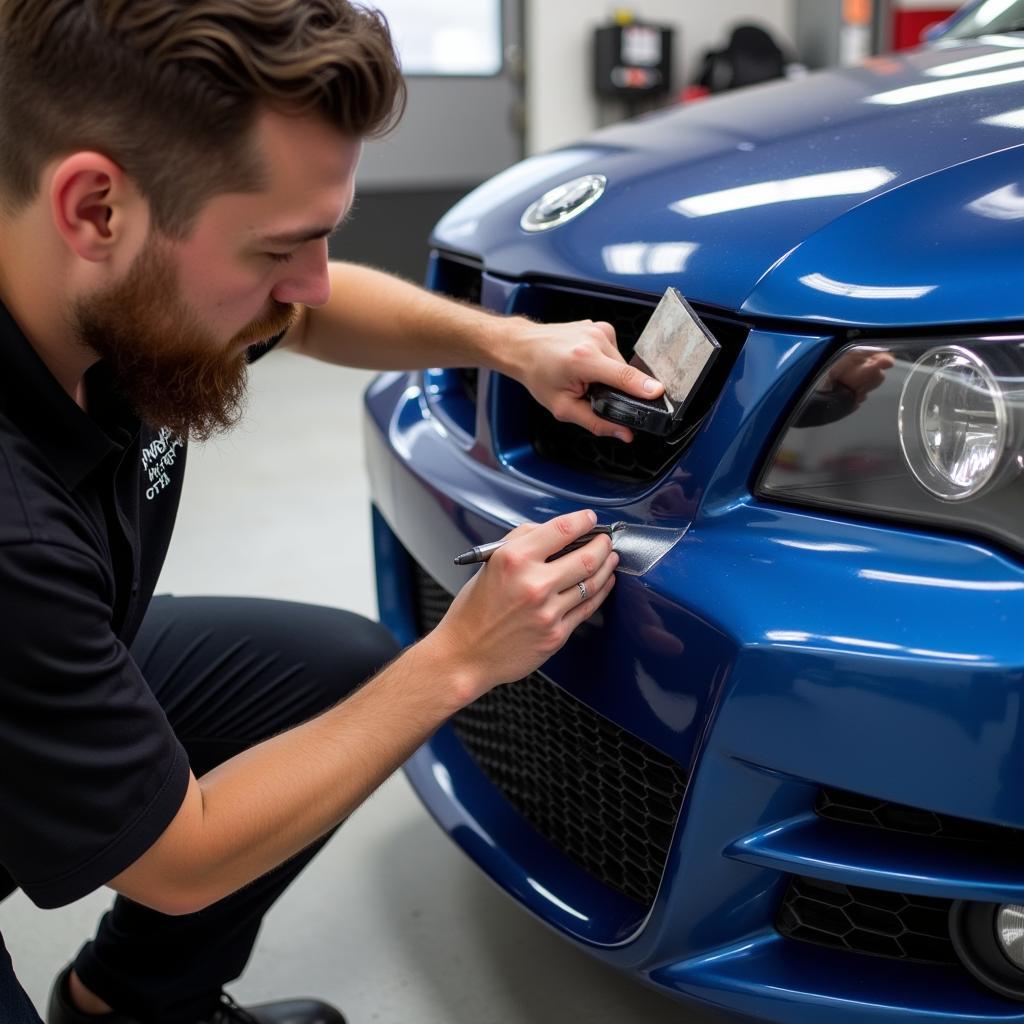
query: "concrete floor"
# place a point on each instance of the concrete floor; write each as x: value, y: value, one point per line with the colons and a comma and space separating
x: 391, y: 922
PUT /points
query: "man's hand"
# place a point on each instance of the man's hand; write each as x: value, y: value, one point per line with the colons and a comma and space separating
x: 558, y: 362
x: 518, y: 610
x: 265, y: 804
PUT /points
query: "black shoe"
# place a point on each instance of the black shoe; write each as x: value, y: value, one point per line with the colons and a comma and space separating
x: 291, y: 1011
x: 62, y: 1010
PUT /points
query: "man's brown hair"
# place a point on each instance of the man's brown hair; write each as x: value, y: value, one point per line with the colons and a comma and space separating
x: 170, y: 89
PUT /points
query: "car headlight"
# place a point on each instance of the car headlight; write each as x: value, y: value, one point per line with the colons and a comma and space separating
x: 921, y: 431
x: 953, y: 423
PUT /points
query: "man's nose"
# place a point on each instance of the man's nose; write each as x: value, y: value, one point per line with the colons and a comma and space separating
x: 306, y: 279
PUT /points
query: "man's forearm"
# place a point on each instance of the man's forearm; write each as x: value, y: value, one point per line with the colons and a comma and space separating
x: 265, y: 805
x: 268, y: 803
x: 380, y: 322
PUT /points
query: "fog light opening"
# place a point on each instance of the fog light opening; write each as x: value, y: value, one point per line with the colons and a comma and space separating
x: 989, y: 939
x: 1010, y: 932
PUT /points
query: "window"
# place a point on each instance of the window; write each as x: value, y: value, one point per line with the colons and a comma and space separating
x: 446, y: 37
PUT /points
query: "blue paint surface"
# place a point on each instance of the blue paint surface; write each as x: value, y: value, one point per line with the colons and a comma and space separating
x: 787, y: 199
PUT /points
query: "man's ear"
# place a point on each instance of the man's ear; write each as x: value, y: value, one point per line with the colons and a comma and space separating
x: 90, y: 200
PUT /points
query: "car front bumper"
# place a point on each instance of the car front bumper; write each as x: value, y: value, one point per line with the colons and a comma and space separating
x: 769, y: 653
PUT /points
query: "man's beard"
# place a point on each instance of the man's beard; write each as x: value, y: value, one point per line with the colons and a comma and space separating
x: 168, y: 367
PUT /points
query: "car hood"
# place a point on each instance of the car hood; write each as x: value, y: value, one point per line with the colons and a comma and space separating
x: 889, y: 193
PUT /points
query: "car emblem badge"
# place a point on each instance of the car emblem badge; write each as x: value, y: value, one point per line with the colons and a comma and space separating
x: 563, y: 203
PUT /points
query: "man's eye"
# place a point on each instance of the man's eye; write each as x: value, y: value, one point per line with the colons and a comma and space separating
x: 281, y: 257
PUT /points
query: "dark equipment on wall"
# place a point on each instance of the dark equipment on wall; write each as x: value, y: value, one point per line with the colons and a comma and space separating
x: 752, y: 56
x: 632, y: 61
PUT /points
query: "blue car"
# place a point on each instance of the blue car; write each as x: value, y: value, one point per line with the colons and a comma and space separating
x: 781, y: 772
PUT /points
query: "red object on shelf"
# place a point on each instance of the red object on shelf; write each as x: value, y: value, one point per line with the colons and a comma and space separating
x: 909, y: 26
x: 693, y: 92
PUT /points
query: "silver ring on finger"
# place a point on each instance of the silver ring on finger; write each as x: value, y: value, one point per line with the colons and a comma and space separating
x: 583, y: 590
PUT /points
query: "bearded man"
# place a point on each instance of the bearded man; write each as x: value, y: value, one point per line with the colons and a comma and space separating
x: 170, y: 171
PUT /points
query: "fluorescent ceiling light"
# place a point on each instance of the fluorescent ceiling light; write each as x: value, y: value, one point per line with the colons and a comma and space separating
x: 996, y: 39
x: 821, y: 283
x: 1004, y: 203
x: 971, y: 64
x: 945, y: 655
x: 856, y: 641
x: 1011, y: 119
x: 785, y: 190
x: 939, y: 581
x: 932, y: 90
x: 647, y: 258
x: 810, y: 545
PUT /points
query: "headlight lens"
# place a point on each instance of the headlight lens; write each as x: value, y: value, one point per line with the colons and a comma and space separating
x: 917, y: 431
x: 953, y: 423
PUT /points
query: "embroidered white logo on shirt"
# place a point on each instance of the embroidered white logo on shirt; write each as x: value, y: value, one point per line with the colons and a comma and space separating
x: 157, y: 458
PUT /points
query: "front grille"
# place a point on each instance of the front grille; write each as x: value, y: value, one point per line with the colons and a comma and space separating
x: 460, y: 277
x: 855, y: 809
x: 889, y: 924
x: 647, y: 456
x: 604, y: 798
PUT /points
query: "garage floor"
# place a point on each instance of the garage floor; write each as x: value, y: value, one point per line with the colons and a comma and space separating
x: 391, y: 922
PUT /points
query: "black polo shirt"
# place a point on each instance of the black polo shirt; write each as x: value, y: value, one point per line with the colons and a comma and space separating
x: 91, y: 772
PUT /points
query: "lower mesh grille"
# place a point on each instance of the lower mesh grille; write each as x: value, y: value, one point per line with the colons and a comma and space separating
x: 606, y: 799
x: 888, y: 924
x: 855, y: 809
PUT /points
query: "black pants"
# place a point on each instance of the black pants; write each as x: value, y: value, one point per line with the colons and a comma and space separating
x: 229, y: 672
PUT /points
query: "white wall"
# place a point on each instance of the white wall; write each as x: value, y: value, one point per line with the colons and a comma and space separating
x: 560, y: 102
